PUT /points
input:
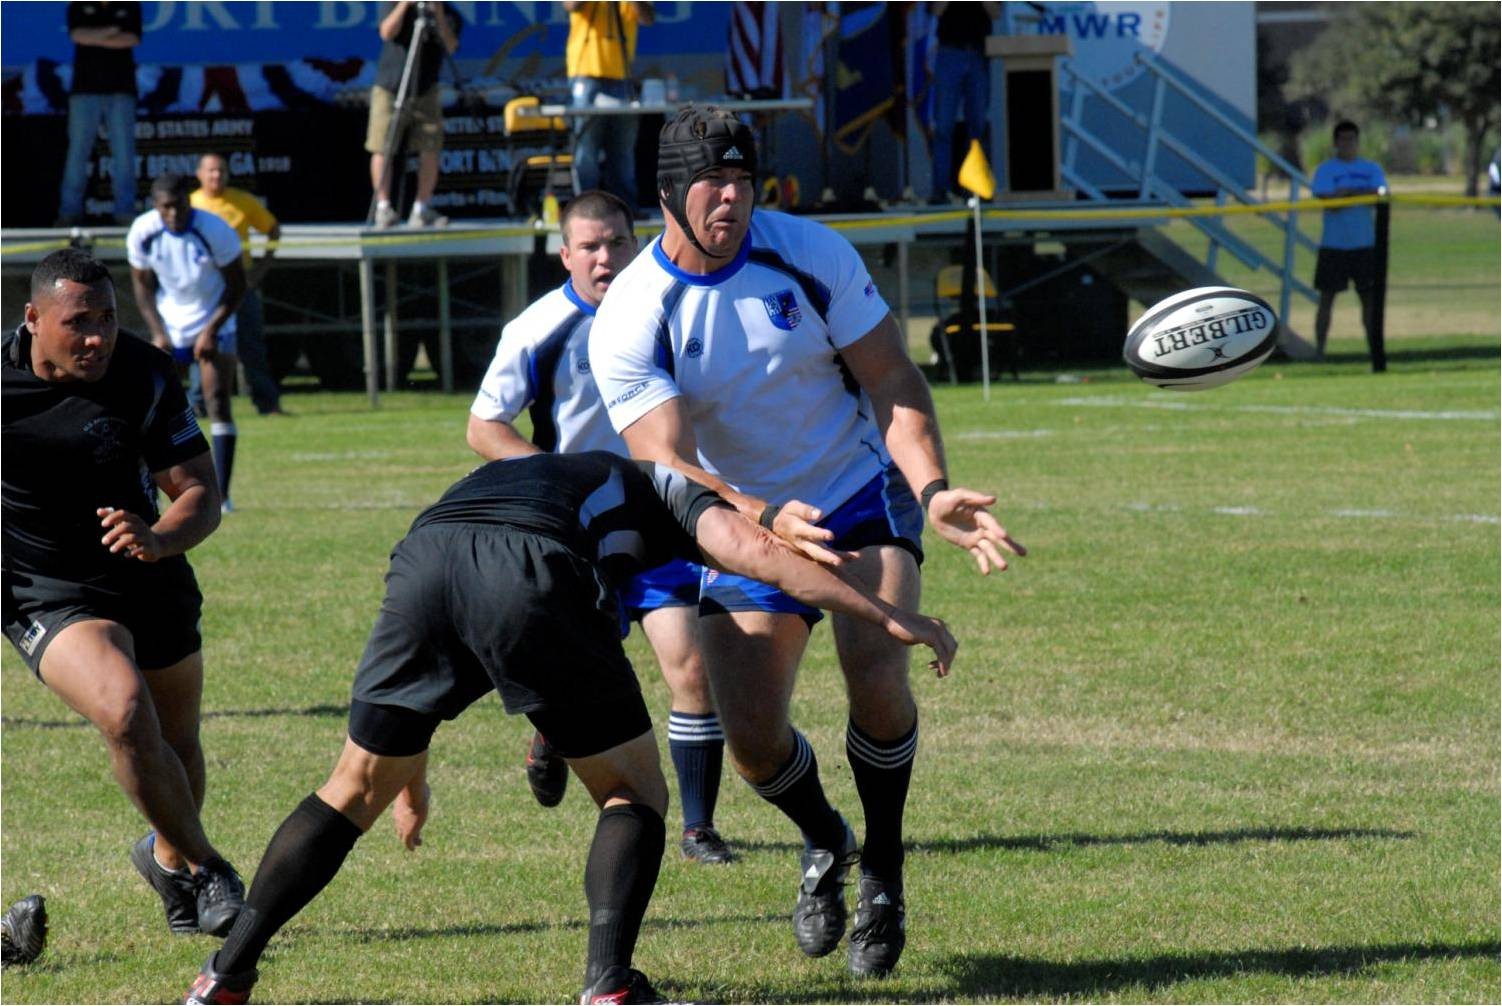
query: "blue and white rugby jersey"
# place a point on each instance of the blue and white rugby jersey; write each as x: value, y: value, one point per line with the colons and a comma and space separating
x: 189, y: 284
x: 542, y: 364
x: 753, y: 351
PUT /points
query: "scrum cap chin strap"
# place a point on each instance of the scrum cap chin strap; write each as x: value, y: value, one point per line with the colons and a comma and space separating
x: 696, y: 140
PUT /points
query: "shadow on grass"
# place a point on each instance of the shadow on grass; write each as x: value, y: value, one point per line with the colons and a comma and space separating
x: 220, y: 714
x: 1003, y: 976
x: 1051, y: 843
x: 563, y: 925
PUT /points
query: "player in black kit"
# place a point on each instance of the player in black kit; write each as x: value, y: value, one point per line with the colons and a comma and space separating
x: 98, y: 597
x: 508, y: 583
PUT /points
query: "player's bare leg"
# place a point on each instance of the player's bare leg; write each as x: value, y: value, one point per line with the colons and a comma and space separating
x: 218, y: 384
x: 177, y: 693
x: 1322, y: 321
x: 881, y: 742
x: 778, y: 761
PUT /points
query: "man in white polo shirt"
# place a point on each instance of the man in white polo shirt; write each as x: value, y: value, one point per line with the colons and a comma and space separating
x: 188, y: 279
x: 755, y: 355
x: 541, y: 366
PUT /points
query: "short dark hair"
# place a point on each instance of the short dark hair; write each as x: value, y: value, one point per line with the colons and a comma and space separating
x: 1344, y: 126
x: 72, y: 264
x: 213, y: 153
x: 171, y: 184
x: 596, y: 204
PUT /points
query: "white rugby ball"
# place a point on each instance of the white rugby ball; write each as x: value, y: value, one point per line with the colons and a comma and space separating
x: 1201, y: 338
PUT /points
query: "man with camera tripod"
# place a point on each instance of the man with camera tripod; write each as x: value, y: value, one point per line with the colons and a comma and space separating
x: 437, y: 26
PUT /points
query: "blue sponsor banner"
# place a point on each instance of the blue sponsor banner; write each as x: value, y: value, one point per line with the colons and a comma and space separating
x: 194, y: 33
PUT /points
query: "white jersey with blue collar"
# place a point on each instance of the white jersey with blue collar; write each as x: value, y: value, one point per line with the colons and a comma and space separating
x: 752, y: 349
x: 542, y: 365
x: 188, y: 264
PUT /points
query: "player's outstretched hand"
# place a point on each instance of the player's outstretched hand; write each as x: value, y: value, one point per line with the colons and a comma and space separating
x: 960, y: 517
x: 127, y: 534
x: 795, y: 525
x: 912, y: 628
x: 410, y: 813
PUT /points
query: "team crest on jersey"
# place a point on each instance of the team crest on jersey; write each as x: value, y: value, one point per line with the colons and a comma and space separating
x: 583, y: 365
x: 107, y: 436
x: 693, y: 348
x: 783, y: 309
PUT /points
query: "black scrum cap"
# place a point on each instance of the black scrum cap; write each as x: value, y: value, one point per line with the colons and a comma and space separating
x: 696, y: 140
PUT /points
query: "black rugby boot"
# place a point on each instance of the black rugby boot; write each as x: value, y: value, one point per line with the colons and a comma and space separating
x: 706, y: 846
x: 880, y: 930
x: 23, y: 931
x: 221, y: 895
x: 819, y: 917
x: 620, y: 985
x: 175, y: 887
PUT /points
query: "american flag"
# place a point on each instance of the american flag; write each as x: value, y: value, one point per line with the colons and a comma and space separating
x: 753, y: 59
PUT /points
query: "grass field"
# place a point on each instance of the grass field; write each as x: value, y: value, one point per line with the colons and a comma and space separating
x: 1230, y: 733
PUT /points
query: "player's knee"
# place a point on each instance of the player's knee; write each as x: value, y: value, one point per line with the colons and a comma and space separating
x: 127, y: 721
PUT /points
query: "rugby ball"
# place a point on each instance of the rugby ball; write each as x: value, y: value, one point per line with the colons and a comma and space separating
x: 1201, y: 338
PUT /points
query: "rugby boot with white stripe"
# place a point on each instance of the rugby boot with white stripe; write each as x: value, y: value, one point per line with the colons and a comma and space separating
x: 819, y: 917
x: 880, y: 930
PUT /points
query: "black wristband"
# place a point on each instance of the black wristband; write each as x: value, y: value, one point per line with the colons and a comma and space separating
x: 769, y: 515
x: 931, y: 490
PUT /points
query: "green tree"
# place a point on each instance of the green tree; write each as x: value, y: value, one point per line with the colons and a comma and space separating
x: 1409, y: 62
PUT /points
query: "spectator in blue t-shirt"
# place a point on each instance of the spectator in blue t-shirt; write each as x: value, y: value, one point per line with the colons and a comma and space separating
x: 1347, y: 247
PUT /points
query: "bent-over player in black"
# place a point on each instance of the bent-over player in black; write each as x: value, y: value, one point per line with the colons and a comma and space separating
x: 508, y: 583
x: 98, y: 597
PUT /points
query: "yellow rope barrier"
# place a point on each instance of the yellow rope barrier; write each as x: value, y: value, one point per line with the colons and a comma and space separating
x: 917, y: 221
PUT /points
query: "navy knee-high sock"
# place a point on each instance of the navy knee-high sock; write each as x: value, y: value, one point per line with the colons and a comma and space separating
x: 304, y: 855
x: 882, y: 771
x: 224, y: 437
x: 618, y: 880
x: 796, y: 791
x: 697, y: 746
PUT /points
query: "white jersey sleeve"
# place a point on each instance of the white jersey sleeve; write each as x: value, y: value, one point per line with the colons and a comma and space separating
x: 507, y: 387
x: 135, y: 240
x: 628, y: 346
x: 855, y: 306
x: 223, y: 242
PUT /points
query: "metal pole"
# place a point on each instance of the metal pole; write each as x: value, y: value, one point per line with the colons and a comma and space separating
x: 391, y: 324
x: 980, y: 300
x: 367, y: 330
x: 445, y: 331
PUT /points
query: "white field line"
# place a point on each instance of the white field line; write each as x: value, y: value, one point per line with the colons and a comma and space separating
x: 1176, y: 405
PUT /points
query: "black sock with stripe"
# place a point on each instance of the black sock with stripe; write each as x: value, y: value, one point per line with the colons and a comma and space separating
x: 882, y: 771
x: 796, y: 791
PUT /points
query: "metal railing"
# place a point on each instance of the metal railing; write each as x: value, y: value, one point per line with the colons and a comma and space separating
x: 1150, y: 185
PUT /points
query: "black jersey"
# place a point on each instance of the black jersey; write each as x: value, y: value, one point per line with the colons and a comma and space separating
x: 623, y: 516
x: 70, y: 447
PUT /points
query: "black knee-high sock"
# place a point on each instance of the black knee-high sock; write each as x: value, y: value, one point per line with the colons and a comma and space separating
x: 882, y: 771
x: 796, y: 791
x: 304, y: 854
x: 618, y: 879
x: 224, y: 437
x: 696, y: 744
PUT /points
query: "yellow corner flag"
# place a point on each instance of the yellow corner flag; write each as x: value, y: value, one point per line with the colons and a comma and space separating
x: 975, y: 173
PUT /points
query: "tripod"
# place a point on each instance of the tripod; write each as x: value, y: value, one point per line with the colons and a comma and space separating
x: 421, y: 25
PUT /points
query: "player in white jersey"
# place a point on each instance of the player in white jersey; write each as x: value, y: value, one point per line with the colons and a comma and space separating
x: 755, y: 354
x: 186, y: 270
x: 542, y: 366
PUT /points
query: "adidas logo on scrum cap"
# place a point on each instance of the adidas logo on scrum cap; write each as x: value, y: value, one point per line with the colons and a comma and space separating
x: 733, y: 154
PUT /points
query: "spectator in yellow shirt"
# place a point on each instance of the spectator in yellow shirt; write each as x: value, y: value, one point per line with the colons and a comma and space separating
x: 601, y: 45
x: 245, y: 213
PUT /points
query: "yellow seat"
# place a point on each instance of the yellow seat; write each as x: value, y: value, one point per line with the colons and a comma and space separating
x: 535, y: 176
x: 949, y: 284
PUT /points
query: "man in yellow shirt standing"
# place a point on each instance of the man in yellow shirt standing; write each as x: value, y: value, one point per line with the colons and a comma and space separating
x: 245, y: 213
x: 601, y: 45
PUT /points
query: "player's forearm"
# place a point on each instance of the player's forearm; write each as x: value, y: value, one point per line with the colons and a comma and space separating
x: 494, y: 440
x: 651, y: 439
x: 191, y: 518
x: 910, y: 429
x: 146, y: 303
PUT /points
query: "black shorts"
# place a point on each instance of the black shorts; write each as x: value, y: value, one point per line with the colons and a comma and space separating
x: 475, y: 607
x: 1336, y: 268
x: 158, y: 603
